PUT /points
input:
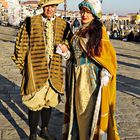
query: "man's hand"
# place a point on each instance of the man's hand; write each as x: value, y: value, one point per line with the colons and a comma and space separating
x: 62, y: 49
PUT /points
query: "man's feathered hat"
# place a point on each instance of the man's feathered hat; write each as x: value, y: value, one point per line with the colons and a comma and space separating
x: 43, y: 3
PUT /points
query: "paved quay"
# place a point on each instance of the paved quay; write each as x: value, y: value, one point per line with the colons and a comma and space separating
x: 13, y: 114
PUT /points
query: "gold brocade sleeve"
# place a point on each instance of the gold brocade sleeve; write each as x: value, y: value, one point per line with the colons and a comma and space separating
x: 21, y: 47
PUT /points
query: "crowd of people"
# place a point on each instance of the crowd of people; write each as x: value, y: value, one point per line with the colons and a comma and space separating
x: 126, y: 32
x: 44, y: 41
x: 130, y: 32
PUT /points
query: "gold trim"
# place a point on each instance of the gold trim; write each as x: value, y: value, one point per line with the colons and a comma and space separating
x: 104, y: 115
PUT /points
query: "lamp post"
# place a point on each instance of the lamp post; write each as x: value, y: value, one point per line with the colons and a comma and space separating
x: 101, y: 1
x: 65, y: 8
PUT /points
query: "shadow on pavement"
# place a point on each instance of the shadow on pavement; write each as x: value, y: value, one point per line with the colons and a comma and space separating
x: 127, y: 49
x: 128, y: 85
x: 128, y: 56
x: 14, y: 111
x: 10, y: 103
x: 129, y: 64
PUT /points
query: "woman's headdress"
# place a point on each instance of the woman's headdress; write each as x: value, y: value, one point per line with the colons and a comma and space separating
x: 93, y: 5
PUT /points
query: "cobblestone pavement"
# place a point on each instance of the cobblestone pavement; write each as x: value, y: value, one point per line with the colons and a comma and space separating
x: 13, y: 115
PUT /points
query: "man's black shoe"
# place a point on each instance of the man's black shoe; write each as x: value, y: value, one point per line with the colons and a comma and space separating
x: 33, y: 137
x: 46, y: 135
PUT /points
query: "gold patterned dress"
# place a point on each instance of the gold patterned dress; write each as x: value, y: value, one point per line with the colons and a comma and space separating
x: 86, y: 86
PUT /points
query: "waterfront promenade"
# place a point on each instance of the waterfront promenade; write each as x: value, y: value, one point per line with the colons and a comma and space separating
x: 13, y: 115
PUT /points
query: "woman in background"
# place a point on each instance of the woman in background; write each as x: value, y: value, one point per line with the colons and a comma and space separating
x: 91, y: 80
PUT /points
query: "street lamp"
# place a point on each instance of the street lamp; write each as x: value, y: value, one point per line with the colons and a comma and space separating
x: 65, y: 7
x: 101, y: 1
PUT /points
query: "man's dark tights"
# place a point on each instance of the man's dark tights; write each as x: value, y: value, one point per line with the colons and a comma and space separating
x: 34, y: 117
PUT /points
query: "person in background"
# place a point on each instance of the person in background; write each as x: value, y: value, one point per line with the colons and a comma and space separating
x: 76, y: 24
x: 91, y: 80
x: 41, y: 44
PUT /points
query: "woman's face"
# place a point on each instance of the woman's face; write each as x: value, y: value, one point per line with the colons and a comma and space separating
x: 86, y: 15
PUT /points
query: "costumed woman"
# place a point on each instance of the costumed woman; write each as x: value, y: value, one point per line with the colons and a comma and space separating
x: 91, y: 80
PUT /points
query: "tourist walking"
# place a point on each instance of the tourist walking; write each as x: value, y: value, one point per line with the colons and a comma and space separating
x: 76, y: 24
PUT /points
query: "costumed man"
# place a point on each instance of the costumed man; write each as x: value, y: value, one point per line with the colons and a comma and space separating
x: 41, y: 44
x: 91, y: 80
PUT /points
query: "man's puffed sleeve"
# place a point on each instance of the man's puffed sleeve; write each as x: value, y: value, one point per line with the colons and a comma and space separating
x: 21, y: 47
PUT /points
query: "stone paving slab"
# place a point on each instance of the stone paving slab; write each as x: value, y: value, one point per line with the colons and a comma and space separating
x: 13, y: 114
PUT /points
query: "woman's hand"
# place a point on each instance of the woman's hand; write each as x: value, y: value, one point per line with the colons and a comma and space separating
x: 105, y: 76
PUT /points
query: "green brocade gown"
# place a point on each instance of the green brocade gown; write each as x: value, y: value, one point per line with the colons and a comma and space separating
x: 86, y: 86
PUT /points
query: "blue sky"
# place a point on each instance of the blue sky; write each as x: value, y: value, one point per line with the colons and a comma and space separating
x: 110, y: 6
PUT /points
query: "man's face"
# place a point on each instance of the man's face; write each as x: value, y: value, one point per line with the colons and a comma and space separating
x: 49, y: 11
